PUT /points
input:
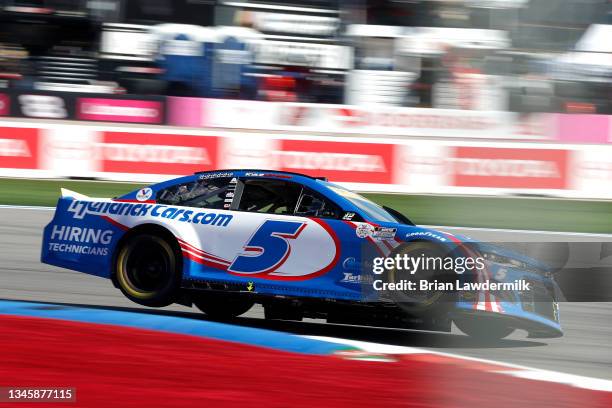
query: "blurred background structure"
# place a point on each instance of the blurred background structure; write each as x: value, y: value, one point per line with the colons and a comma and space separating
x: 467, y: 97
x: 517, y: 55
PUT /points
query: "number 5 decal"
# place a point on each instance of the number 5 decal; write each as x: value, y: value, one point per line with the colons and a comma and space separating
x: 268, y: 248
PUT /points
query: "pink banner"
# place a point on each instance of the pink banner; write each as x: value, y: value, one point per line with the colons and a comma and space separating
x: 120, y: 110
x: 383, y: 120
x: 579, y: 128
x: 186, y: 111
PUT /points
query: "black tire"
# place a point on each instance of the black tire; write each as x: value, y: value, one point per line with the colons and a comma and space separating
x: 148, y: 270
x: 280, y: 311
x: 487, y: 330
x: 421, y: 303
x: 223, y: 306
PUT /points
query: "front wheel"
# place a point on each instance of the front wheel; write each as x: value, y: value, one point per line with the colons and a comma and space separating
x: 430, y: 302
x: 223, y: 306
x: 148, y: 270
x: 484, y: 330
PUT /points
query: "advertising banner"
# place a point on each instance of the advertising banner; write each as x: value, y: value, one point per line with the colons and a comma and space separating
x: 389, y: 120
x: 18, y: 148
x: 584, y: 128
x: 424, y: 165
x: 591, y: 171
x: 120, y: 110
x: 79, y: 106
x: 376, y: 120
x: 127, y: 152
x: 497, y: 167
x: 338, y: 161
x: 39, y: 105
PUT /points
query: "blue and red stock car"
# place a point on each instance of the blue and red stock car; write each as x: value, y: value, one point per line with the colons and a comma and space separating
x: 300, y: 246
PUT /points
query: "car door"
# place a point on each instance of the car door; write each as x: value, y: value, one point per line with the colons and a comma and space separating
x: 273, y: 242
x: 280, y: 233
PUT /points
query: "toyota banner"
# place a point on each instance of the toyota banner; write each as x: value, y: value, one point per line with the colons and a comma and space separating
x: 392, y: 165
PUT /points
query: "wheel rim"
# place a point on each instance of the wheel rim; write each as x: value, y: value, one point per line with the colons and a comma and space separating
x: 418, y: 299
x: 145, y: 268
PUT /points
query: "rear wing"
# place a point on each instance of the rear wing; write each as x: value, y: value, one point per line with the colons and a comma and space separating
x: 73, y: 194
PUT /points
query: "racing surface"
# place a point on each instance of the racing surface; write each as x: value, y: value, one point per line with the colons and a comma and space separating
x: 585, y: 349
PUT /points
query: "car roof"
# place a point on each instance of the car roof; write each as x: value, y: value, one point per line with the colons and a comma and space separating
x: 318, y: 184
x: 261, y: 171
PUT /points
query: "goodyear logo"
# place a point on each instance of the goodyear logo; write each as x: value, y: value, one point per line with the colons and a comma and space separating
x: 80, y: 209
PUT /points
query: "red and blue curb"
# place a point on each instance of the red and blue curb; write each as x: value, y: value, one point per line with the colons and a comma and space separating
x: 172, y: 324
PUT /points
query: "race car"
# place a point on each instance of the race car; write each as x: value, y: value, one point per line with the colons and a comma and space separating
x: 300, y: 246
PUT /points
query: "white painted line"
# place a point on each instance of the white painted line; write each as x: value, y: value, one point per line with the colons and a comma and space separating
x: 26, y: 207
x: 371, y: 347
x: 515, y: 370
x: 578, y: 381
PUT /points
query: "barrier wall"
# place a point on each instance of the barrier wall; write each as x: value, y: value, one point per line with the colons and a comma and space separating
x: 377, y: 120
x: 423, y: 165
x: 306, y: 117
x: 389, y: 120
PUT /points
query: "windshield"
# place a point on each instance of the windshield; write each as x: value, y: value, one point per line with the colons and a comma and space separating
x: 370, y: 209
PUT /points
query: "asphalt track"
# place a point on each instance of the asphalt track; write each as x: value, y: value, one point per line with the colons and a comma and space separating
x: 586, y: 348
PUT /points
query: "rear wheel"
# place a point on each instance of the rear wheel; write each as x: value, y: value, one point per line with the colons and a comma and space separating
x: 223, y: 306
x: 483, y: 329
x: 148, y: 270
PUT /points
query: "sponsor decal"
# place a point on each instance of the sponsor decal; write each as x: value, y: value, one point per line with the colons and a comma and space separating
x: 19, y: 148
x: 348, y: 216
x: 120, y: 110
x: 78, y: 234
x: 80, y: 209
x: 147, y: 153
x: 77, y: 249
x: 275, y: 175
x: 349, y: 277
x: 84, y: 241
x: 425, y: 234
x: 509, y: 168
x: 230, y: 193
x: 339, y: 161
x: 364, y: 230
x: 144, y: 194
x: 384, y: 233
x: 207, y: 176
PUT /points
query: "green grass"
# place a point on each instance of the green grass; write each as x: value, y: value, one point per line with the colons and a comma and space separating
x: 546, y: 214
x: 491, y: 212
x: 46, y: 192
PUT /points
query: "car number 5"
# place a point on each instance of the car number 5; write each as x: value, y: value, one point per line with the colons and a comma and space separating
x: 268, y: 248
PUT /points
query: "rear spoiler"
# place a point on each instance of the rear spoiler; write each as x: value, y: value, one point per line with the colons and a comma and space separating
x: 73, y: 194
